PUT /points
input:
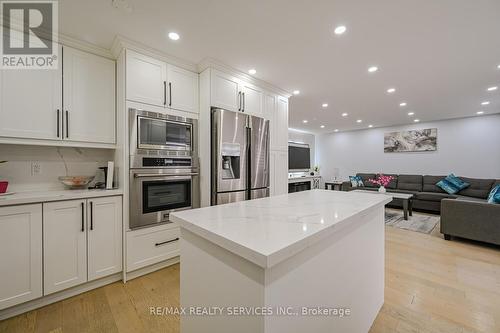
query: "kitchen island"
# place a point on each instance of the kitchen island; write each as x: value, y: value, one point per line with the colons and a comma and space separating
x: 311, y: 261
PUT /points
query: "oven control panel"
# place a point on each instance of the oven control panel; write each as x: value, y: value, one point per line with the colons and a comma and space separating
x: 165, y: 162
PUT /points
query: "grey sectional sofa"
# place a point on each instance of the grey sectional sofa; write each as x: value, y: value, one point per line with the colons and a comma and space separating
x: 465, y: 214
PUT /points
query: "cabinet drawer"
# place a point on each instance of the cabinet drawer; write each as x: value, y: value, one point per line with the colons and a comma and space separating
x: 149, y: 246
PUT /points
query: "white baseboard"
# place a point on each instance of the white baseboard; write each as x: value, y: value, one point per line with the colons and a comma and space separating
x: 150, y: 269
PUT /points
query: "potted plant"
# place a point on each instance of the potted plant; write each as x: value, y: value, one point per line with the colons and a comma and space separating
x: 3, y: 184
x: 382, y: 181
x: 316, y: 170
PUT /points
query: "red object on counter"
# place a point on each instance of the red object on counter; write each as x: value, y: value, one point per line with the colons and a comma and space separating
x: 3, y: 187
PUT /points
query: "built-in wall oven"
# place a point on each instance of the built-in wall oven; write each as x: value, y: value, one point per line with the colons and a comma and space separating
x: 164, y: 173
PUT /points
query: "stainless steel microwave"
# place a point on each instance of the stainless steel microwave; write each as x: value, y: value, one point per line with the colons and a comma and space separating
x: 161, y: 132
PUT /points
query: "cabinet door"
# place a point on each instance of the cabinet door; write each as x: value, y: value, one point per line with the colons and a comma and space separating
x: 30, y: 101
x: 269, y: 109
x: 64, y: 245
x: 280, y: 118
x: 182, y: 91
x: 104, y: 236
x: 252, y: 100
x: 89, y: 97
x: 225, y: 91
x: 21, y: 259
x: 279, y: 172
x: 146, y: 79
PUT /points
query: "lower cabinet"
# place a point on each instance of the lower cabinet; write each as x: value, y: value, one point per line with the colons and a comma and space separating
x: 152, y: 245
x: 82, y: 241
x: 21, y: 254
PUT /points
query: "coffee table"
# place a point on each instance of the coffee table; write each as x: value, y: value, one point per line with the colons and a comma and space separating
x: 407, y: 200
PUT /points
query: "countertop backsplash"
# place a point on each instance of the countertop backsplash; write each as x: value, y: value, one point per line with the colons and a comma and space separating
x: 36, y: 168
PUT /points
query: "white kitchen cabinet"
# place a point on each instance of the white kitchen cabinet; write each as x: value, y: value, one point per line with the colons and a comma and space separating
x: 252, y: 100
x: 146, y: 79
x: 152, y: 81
x: 104, y: 225
x: 279, y: 141
x: 64, y: 245
x: 21, y: 254
x: 82, y: 241
x: 89, y: 97
x: 269, y: 109
x: 225, y: 91
x: 182, y: 89
x: 31, y: 103
x: 279, y: 172
x: 149, y: 246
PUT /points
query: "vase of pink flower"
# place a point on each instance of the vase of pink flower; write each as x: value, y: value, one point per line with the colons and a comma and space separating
x: 382, y: 181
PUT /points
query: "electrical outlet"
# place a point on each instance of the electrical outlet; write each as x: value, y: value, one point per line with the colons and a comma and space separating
x: 36, y: 168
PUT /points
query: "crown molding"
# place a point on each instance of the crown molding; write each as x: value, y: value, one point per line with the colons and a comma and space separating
x: 121, y: 42
x: 216, y: 64
x: 85, y: 46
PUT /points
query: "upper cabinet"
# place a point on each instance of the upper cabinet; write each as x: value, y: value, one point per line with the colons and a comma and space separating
x: 279, y: 141
x: 154, y: 82
x: 75, y: 103
x: 231, y: 93
x: 89, y: 97
x: 36, y: 117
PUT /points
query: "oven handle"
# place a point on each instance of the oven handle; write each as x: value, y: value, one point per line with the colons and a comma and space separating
x: 142, y: 175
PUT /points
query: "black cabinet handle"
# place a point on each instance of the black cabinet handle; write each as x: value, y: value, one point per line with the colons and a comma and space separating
x: 170, y: 93
x: 243, y: 108
x: 239, y: 101
x: 164, y: 92
x: 58, y: 122
x: 166, y: 242
x: 67, y: 124
x: 91, y: 215
x: 83, y: 217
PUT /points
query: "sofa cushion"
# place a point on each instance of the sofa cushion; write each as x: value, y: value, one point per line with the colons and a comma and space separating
x: 410, y: 182
x: 429, y: 184
x: 464, y: 198
x: 365, y: 177
x: 402, y: 191
x: 479, y: 188
x: 433, y: 196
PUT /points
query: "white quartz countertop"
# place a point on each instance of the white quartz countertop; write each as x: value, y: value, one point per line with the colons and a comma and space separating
x: 20, y: 198
x: 269, y: 230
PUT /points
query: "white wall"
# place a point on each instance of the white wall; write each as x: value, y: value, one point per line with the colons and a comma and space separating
x: 307, y: 138
x: 468, y: 147
x: 54, y: 162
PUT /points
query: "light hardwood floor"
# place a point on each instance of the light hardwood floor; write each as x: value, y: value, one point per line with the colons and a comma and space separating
x: 432, y: 285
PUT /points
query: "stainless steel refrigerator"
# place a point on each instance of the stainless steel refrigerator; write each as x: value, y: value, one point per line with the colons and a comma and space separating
x: 240, y: 157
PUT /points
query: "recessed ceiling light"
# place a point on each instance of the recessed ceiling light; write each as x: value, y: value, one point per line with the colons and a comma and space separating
x: 403, y: 104
x: 345, y: 114
x: 340, y: 30
x: 305, y: 121
x: 370, y: 126
x: 391, y: 90
x: 480, y: 112
x: 252, y: 71
x: 485, y: 103
x: 173, y: 36
x: 296, y: 92
x: 492, y: 88
x: 359, y: 121
x: 322, y: 126
x: 411, y: 113
x: 416, y: 120
x: 335, y: 130
x: 325, y: 105
x: 372, y: 69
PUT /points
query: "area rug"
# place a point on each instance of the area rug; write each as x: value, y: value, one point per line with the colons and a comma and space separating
x: 418, y: 222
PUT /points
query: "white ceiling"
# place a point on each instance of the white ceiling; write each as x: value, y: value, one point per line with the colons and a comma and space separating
x: 441, y: 56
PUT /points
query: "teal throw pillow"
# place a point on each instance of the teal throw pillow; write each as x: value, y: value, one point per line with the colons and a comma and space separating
x: 356, y: 181
x: 452, y: 184
x: 494, y: 196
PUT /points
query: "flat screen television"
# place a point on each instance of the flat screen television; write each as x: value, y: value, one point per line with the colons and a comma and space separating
x: 299, y: 158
